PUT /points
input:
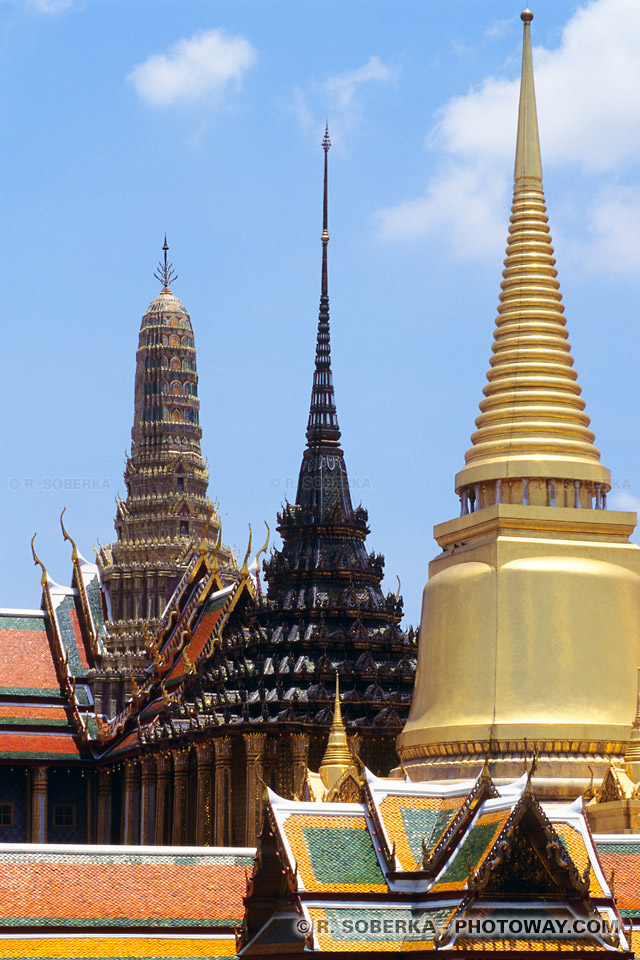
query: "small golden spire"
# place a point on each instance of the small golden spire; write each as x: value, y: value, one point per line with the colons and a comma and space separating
x: 532, y: 422
x: 165, y: 272
x: 337, y: 757
x: 632, y: 753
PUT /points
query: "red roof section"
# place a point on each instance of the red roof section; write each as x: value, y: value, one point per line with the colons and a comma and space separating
x: 139, y: 891
x: 626, y: 868
x: 54, y: 745
x: 77, y: 634
x: 25, y: 660
x: 32, y: 712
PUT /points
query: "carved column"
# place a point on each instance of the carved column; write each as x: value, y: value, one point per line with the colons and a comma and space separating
x: 254, y: 747
x: 205, y: 826
x: 163, y: 771
x: 222, y: 746
x: 299, y: 756
x: 180, y: 778
x: 104, y: 805
x: 270, y: 764
x: 148, y: 801
x: 130, y: 807
x: 39, y: 805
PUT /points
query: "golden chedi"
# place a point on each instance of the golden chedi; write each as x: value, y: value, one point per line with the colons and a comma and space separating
x: 530, y: 632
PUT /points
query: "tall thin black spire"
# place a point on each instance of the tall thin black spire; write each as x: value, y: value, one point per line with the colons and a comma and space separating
x: 323, y: 419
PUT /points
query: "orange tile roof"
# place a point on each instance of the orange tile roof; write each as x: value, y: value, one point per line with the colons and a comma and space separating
x: 57, y: 746
x: 25, y: 660
x: 120, y: 890
x: 131, y: 948
x: 19, y: 711
x: 577, y: 850
x: 624, y: 860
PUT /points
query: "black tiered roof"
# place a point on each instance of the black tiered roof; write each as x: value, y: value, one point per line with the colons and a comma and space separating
x: 326, y: 611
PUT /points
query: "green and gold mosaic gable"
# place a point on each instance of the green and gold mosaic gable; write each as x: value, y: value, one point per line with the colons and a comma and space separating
x: 334, y: 853
x: 410, y: 821
x: 471, y: 853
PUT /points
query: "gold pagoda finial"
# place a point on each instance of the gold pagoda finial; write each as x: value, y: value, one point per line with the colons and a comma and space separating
x: 528, y: 162
x: 165, y: 272
x: 532, y: 425
x: 337, y: 757
x: 39, y: 563
x: 74, y: 551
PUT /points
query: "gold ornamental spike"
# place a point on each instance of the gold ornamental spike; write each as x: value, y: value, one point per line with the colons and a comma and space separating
x: 532, y: 422
x: 44, y: 578
x: 244, y: 573
x: 263, y: 549
x: 74, y: 551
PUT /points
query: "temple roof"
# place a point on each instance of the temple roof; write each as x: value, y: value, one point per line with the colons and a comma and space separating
x: 504, y: 857
x: 117, y: 901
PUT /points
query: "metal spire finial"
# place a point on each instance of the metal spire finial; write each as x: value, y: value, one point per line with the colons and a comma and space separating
x: 326, y: 145
x: 323, y: 420
x: 165, y: 272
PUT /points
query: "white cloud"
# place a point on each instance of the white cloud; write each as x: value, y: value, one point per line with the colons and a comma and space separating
x: 343, y: 87
x: 589, y: 121
x: 50, y: 7
x: 460, y: 206
x: 623, y: 500
x: 199, y: 67
x: 340, y: 97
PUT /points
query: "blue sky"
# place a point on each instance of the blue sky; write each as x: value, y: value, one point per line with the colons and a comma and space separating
x: 123, y: 119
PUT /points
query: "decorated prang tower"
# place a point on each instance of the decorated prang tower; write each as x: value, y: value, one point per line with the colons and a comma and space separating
x: 530, y: 633
x: 166, y: 513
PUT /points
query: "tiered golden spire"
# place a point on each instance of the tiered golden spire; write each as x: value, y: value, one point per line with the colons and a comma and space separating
x: 532, y: 422
x: 337, y: 756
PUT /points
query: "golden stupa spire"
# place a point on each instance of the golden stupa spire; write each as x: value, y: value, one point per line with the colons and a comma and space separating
x: 532, y: 425
x: 337, y: 756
